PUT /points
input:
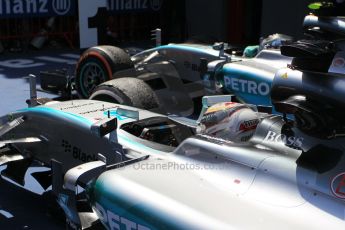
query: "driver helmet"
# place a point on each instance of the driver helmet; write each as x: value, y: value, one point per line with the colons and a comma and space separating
x: 231, y: 121
x: 275, y: 41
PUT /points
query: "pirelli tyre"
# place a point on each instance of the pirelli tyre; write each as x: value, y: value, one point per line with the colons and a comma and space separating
x: 97, y: 65
x: 127, y: 91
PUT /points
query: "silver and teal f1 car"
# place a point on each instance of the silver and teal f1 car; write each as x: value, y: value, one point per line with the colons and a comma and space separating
x: 179, y: 75
x: 142, y: 170
x: 175, y: 77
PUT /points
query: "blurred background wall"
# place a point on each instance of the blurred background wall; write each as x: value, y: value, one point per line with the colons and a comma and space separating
x: 283, y: 17
x: 123, y: 21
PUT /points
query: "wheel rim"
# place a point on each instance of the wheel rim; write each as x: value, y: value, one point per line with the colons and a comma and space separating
x: 92, y: 74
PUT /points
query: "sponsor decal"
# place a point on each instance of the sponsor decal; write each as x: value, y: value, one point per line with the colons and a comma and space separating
x: 115, y: 221
x: 338, y: 185
x: 20, y: 8
x: 281, y: 138
x: 237, y: 181
x: 249, y: 125
x: 284, y: 75
x: 245, y: 86
x: 77, y: 153
x: 338, y: 63
x: 192, y: 66
x: 61, y: 7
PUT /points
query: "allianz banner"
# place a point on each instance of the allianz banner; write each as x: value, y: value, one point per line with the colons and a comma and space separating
x: 43, y: 8
x: 123, y: 6
x: 37, y: 8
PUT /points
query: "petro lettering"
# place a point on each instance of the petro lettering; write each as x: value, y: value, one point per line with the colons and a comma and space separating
x: 115, y: 221
x: 245, y: 86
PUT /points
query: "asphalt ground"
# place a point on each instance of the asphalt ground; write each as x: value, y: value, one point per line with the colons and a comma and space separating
x: 14, y: 67
x: 19, y: 208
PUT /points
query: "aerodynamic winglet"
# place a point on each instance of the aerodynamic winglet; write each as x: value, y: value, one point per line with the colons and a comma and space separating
x: 10, y: 125
x: 20, y: 140
x: 16, y: 170
x: 8, y: 155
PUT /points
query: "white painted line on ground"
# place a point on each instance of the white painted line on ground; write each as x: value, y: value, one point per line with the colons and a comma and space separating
x: 56, y: 59
x: 6, y: 214
x: 76, y: 56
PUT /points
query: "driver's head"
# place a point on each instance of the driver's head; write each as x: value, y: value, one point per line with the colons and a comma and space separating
x: 230, y: 121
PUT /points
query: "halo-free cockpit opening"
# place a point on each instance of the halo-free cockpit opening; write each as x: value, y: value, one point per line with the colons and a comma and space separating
x: 161, y: 130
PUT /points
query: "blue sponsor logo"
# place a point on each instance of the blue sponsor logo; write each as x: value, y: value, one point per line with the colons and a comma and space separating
x: 37, y: 8
x: 61, y: 7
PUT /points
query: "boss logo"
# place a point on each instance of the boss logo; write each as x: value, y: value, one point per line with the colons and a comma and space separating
x: 61, y: 7
x: 287, y: 140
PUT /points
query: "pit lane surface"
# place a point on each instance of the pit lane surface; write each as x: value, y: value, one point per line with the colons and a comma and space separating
x: 14, y: 89
x: 20, y: 209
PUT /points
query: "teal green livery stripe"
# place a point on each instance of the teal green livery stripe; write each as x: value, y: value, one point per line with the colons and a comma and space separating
x: 131, y: 142
x: 209, y: 51
x: 58, y: 113
x: 79, y: 120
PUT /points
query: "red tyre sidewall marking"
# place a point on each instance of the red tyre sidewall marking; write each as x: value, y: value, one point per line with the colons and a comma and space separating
x: 101, y: 58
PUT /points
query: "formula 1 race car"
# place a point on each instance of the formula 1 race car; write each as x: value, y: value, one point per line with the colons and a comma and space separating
x: 142, y: 170
x: 174, y: 77
x: 178, y: 76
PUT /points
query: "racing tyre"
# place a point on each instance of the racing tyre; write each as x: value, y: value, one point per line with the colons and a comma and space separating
x: 97, y: 65
x: 127, y: 91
